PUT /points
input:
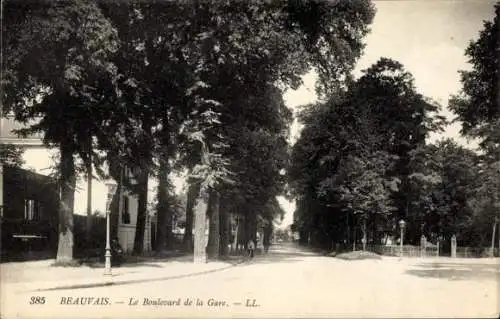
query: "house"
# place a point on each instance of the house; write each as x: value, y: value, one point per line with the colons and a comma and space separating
x: 29, y: 215
x: 127, y: 218
x: 11, y: 181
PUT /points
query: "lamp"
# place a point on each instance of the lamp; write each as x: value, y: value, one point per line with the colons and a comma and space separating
x: 402, y: 224
x: 107, y: 255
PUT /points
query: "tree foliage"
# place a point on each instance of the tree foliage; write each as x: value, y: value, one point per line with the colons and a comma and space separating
x: 351, y: 163
x: 86, y: 70
x: 477, y: 105
x: 57, y: 59
x: 11, y: 155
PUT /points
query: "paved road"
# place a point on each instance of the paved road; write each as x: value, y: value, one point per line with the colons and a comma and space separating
x: 291, y: 282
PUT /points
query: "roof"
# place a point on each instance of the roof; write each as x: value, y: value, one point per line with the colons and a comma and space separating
x: 7, y: 136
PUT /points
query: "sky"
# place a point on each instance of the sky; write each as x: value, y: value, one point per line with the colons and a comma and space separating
x: 428, y: 37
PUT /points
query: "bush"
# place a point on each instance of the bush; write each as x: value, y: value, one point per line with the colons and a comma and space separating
x: 358, y: 255
x: 82, y: 248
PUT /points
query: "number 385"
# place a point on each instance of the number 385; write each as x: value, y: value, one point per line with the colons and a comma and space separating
x: 37, y: 300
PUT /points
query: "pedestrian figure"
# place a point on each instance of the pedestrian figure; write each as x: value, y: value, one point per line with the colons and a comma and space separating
x: 266, y: 243
x: 251, y: 248
x: 266, y: 248
x: 268, y: 232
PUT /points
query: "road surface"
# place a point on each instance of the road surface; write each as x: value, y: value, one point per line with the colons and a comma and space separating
x: 289, y: 282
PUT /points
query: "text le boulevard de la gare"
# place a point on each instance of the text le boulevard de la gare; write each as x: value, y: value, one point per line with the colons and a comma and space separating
x: 188, y: 302
x: 156, y: 302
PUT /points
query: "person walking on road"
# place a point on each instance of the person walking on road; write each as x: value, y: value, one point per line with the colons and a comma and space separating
x: 266, y: 245
x: 251, y: 248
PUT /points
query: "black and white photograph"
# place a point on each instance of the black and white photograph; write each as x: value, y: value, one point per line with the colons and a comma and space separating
x: 249, y: 159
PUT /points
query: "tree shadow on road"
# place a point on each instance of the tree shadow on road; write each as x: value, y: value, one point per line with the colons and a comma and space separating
x: 148, y: 260
x: 274, y: 256
x: 282, y: 256
x: 456, y: 271
x: 124, y: 265
x: 133, y: 281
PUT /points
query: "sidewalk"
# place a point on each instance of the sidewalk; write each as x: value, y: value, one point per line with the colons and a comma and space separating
x: 41, y: 275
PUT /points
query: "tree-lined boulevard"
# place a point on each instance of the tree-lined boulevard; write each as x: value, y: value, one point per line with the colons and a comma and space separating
x: 135, y: 90
x: 159, y: 87
x: 288, y: 282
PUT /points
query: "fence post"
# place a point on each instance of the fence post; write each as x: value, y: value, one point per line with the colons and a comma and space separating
x: 453, y: 246
x: 423, y: 244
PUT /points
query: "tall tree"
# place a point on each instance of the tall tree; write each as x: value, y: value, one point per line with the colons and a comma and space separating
x: 149, y: 106
x: 248, y: 47
x: 57, y: 56
x: 426, y: 176
x: 352, y: 160
x: 458, y: 172
x: 477, y: 105
x: 208, y: 45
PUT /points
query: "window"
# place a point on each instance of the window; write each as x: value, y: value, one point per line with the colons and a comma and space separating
x: 125, y: 211
x: 32, y: 209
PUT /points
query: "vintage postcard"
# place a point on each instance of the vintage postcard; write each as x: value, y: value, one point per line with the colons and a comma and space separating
x: 250, y: 159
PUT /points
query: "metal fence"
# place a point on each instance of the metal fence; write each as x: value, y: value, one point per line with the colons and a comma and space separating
x: 475, y: 252
x: 407, y: 251
x: 430, y: 251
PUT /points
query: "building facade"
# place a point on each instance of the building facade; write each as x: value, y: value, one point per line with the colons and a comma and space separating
x: 127, y: 221
x: 29, y: 215
x: 13, y: 207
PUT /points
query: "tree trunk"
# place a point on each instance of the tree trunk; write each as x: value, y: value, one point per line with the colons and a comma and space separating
x: 268, y: 231
x: 214, y: 224
x: 192, y: 195
x: 142, y: 207
x: 493, y: 238
x: 498, y: 255
x: 236, y: 234
x: 348, y: 229
x: 242, y: 231
x: 353, y: 220
x: 250, y: 227
x: 364, y: 235
x: 88, y: 230
x: 67, y: 185
x: 246, y: 229
x: 115, y: 209
x: 164, y: 212
x: 200, y: 243
x: 224, y: 232
x: 354, y: 239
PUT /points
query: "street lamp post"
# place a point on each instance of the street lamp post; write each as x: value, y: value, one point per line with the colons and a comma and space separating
x: 401, y: 227
x: 107, y: 255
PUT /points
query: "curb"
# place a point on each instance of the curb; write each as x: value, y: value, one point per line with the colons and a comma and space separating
x: 119, y: 282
